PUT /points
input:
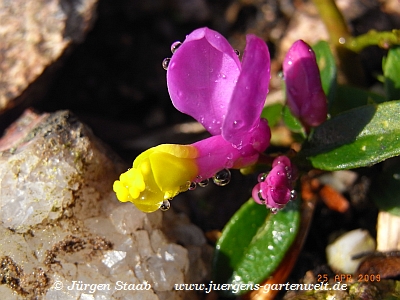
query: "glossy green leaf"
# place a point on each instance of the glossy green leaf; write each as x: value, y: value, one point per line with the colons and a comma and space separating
x: 356, y: 138
x: 348, y: 97
x: 385, y: 189
x: 391, y: 73
x: 253, y: 244
x: 327, y: 67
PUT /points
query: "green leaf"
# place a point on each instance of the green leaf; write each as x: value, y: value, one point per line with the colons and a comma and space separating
x: 348, y: 97
x: 359, y: 137
x: 385, y: 190
x: 292, y: 123
x: 273, y: 113
x: 391, y: 73
x: 327, y: 67
x: 253, y: 244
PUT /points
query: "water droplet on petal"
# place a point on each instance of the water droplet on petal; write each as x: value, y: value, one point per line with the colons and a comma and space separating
x: 165, y: 63
x: 175, y: 46
x: 203, y: 183
x: 237, y: 124
x: 222, y: 178
x: 237, y: 52
x: 262, y: 177
x: 293, y: 194
x: 165, y: 205
x: 274, y: 210
x: 261, y: 197
x: 192, y: 186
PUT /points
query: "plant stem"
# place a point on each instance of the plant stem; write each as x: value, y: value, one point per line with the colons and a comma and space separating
x: 383, y: 39
x: 348, y: 61
x: 334, y: 21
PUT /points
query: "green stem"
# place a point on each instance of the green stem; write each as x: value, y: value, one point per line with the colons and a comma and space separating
x: 333, y: 20
x: 348, y: 61
x: 383, y: 39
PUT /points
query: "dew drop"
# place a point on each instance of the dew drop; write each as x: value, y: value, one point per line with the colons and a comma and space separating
x: 204, y: 182
x: 261, y: 197
x: 165, y: 205
x: 237, y: 52
x: 237, y: 124
x: 293, y: 194
x: 175, y: 46
x: 222, y: 178
x: 274, y: 210
x: 192, y: 186
x: 165, y: 63
x: 262, y: 177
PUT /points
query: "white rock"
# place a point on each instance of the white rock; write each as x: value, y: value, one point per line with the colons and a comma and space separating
x: 341, y: 252
x: 62, y: 225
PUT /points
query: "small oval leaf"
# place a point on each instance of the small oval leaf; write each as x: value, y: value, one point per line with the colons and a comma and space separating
x: 253, y: 244
x: 356, y: 138
x: 391, y: 71
x: 327, y: 67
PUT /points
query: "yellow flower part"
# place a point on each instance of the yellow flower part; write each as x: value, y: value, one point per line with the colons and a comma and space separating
x: 158, y: 174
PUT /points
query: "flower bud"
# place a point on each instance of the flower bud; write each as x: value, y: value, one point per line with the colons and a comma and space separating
x: 305, y: 96
x: 276, y: 189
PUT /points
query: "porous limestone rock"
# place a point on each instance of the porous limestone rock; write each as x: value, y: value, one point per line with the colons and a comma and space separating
x: 33, y: 34
x: 64, y: 235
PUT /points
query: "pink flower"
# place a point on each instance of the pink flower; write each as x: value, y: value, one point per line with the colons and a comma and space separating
x: 305, y: 96
x: 275, y: 189
x: 207, y: 81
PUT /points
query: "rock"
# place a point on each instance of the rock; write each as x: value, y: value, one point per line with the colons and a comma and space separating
x: 33, y: 35
x: 63, y: 234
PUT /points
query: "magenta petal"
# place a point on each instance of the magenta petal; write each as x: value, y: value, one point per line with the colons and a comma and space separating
x: 281, y: 160
x: 278, y: 176
x: 201, y: 77
x: 215, y: 154
x: 250, y: 92
x: 279, y: 196
x: 259, y: 190
x: 305, y: 96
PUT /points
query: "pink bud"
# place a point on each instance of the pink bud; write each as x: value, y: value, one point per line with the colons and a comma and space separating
x: 305, y: 96
x: 276, y: 189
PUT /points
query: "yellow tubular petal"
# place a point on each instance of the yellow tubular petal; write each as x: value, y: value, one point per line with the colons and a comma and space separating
x: 181, y: 151
x: 121, y: 191
x: 171, y: 172
x: 159, y: 173
x: 149, y: 201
